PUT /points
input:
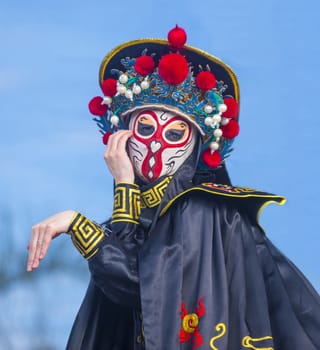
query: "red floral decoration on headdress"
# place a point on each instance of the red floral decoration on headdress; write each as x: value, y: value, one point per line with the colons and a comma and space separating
x: 144, y: 65
x: 177, y: 37
x: 105, y: 138
x: 211, y: 159
x: 231, y: 130
x: 96, y: 107
x: 109, y: 87
x: 206, y: 81
x: 173, y: 68
x: 232, y: 107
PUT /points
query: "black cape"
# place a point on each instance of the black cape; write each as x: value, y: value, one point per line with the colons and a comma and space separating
x: 206, y: 277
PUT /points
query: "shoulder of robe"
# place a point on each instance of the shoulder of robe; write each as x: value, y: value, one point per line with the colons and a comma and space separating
x: 251, y: 200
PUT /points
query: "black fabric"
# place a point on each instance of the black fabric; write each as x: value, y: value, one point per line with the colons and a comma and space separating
x: 212, y: 250
x: 218, y: 175
x: 208, y: 247
x: 101, y: 324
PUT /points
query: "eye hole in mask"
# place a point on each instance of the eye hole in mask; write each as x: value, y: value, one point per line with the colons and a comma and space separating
x: 177, y: 131
x: 174, y: 134
x: 145, y: 129
x: 146, y: 126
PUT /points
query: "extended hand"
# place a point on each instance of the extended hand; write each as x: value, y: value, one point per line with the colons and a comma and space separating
x: 117, y: 158
x: 42, y: 235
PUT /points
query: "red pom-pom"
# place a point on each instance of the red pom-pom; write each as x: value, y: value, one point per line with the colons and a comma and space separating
x: 109, y: 87
x: 177, y: 37
x: 206, y: 81
x: 231, y: 130
x: 212, y: 160
x: 232, y: 107
x: 106, y: 136
x: 95, y: 106
x: 144, y: 65
x: 173, y: 68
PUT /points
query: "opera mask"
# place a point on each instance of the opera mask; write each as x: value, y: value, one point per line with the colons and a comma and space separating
x: 160, y: 143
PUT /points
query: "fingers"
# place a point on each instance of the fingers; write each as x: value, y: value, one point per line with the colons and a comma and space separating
x: 40, y: 240
x: 32, y: 247
x: 49, y: 233
x: 39, y: 246
x: 122, y: 141
x: 117, y: 142
x: 117, y: 158
x: 42, y: 235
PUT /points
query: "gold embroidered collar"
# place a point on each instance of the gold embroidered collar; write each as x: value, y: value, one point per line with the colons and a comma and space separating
x: 153, y: 196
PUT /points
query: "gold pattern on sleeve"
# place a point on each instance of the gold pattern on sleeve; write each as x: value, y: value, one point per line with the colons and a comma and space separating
x: 247, y: 342
x: 126, y: 203
x: 222, y: 329
x: 152, y: 197
x: 85, y: 235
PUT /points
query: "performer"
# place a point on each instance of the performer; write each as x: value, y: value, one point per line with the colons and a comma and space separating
x: 183, y: 263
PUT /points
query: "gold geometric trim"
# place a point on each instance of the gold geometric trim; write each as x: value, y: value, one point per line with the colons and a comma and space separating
x: 85, y: 235
x: 152, y: 197
x: 126, y: 203
x: 268, y: 198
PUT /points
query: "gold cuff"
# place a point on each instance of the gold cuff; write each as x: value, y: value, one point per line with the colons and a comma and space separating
x: 126, y: 206
x: 85, y: 235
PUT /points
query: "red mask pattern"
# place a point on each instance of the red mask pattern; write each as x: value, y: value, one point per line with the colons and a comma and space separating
x: 160, y: 143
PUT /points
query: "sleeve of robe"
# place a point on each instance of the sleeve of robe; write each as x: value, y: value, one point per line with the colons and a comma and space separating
x: 111, y: 251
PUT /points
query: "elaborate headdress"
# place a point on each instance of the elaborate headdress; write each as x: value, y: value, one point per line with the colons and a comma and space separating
x: 172, y: 76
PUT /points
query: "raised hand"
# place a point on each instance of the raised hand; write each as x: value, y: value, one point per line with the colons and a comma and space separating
x: 117, y: 158
x: 42, y: 235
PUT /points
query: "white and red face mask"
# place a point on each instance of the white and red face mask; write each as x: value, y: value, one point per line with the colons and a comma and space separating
x: 160, y: 143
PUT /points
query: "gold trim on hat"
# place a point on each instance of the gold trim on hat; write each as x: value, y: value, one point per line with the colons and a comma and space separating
x: 210, y: 57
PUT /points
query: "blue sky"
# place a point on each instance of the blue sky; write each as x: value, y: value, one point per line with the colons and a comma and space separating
x: 50, y: 150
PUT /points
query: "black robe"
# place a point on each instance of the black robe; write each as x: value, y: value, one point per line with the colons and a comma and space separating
x: 205, y: 277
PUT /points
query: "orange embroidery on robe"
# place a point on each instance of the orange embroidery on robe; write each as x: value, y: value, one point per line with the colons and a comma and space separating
x: 189, y: 326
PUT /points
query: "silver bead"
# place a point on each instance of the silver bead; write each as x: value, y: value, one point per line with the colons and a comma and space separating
x: 121, y: 89
x: 208, y: 121
x: 225, y: 121
x: 208, y: 109
x: 222, y: 108
x: 123, y: 78
x: 114, y: 120
x: 145, y: 85
x: 216, y: 118
x: 129, y: 94
x: 107, y: 100
x: 214, y: 146
x: 136, y: 89
x: 217, y: 133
